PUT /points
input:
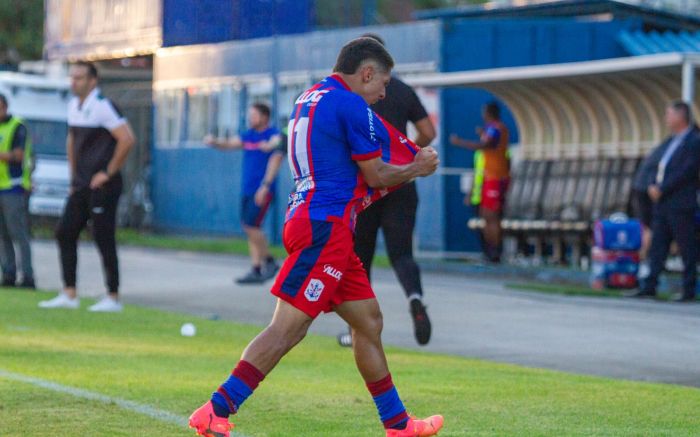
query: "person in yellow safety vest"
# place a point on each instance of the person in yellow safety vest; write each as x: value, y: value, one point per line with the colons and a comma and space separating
x: 492, y: 176
x: 15, y: 186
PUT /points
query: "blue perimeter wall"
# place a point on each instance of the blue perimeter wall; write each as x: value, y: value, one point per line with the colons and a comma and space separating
x: 469, y: 44
x: 206, y: 199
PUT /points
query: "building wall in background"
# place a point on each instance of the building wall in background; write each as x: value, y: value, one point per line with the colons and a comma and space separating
x: 90, y: 29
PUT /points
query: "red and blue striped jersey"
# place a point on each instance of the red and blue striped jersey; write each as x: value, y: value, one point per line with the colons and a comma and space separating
x: 329, y: 129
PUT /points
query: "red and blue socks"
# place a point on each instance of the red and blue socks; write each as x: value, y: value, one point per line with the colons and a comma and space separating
x: 391, y: 410
x: 244, y: 379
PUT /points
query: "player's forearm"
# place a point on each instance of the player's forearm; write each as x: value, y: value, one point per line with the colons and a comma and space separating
x: 15, y: 156
x: 465, y: 144
x: 121, y: 152
x: 422, y: 140
x: 272, y: 143
x: 11, y: 156
x: 273, y: 167
x: 229, y: 144
x: 473, y: 145
x: 426, y: 132
x: 389, y: 175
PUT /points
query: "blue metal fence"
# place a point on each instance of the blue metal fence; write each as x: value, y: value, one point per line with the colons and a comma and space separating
x: 207, y: 21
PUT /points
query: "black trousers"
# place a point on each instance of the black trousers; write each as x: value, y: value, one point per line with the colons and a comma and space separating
x: 669, y: 225
x: 395, y: 214
x: 100, y: 207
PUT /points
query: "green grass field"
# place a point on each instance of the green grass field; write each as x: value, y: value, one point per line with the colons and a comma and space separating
x: 140, y: 356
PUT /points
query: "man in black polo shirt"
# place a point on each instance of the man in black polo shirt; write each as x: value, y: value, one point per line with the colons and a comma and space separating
x: 99, y: 140
x: 395, y: 214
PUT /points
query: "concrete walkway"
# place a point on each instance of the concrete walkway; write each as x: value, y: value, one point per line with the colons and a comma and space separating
x: 472, y: 317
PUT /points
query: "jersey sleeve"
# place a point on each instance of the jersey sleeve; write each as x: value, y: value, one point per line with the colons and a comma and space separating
x: 282, y: 146
x: 109, y: 116
x: 360, y: 125
x: 493, y: 136
x: 20, y: 138
x: 416, y: 110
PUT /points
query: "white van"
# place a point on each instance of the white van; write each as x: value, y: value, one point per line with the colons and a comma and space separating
x: 42, y: 103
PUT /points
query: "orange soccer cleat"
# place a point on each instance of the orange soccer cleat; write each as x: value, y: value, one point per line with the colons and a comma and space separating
x: 209, y: 424
x: 418, y: 427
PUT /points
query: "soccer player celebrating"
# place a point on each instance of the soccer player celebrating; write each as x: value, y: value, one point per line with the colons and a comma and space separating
x: 335, y: 154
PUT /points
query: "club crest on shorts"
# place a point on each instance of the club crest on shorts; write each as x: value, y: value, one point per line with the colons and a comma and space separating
x: 313, y: 290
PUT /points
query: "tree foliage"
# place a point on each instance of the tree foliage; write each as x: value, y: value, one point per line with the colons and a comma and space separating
x: 21, y: 30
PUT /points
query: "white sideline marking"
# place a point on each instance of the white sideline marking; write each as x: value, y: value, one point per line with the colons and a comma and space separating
x: 146, y: 410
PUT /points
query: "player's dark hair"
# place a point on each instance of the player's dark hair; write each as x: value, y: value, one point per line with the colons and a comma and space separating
x: 359, y: 50
x: 683, y: 108
x: 375, y: 37
x: 493, y: 110
x: 89, y: 66
x: 263, y: 109
x: 3, y: 100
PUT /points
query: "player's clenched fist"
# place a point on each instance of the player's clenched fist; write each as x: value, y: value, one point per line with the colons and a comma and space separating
x: 426, y: 161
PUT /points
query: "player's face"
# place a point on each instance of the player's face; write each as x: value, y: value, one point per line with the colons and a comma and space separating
x: 674, y: 119
x: 255, y: 119
x: 374, y: 83
x: 3, y: 110
x: 80, y: 81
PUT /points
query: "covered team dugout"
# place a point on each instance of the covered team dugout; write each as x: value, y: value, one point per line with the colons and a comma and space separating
x: 583, y: 129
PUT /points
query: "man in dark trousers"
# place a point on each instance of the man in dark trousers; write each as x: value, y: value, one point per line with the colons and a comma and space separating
x: 674, y: 192
x: 15, y: 184
x: 395, y: 214
x: 642, y: 205
x: 98, y: 143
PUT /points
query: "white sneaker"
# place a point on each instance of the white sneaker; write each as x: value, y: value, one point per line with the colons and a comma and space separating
x: 107, y: 305
x: 644, y: 271
x: 61, y: 301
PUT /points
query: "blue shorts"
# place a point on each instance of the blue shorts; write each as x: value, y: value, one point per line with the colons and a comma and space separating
x: 252, y: 215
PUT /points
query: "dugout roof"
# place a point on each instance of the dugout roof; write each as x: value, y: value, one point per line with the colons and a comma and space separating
x: 610, y: 107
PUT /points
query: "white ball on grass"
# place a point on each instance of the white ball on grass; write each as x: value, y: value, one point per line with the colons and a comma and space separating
x: 188, y: 330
